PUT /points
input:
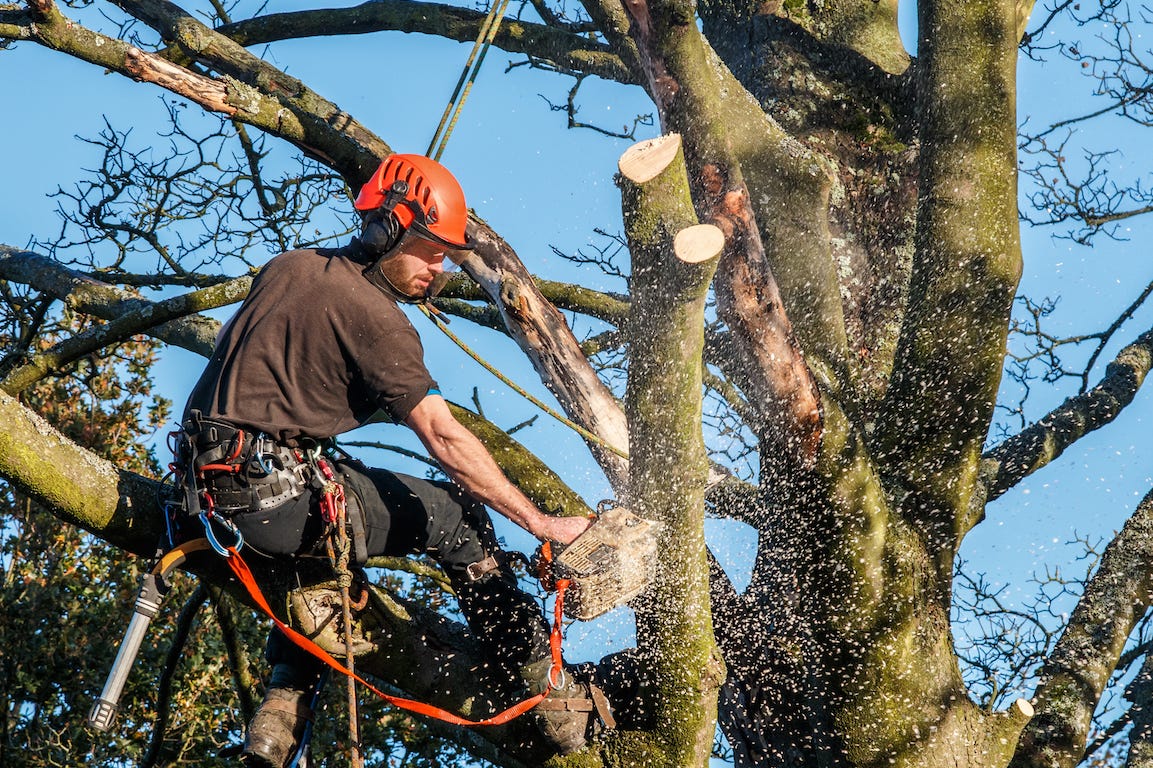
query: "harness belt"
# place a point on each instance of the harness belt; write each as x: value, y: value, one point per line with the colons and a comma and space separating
x: 240, y: 471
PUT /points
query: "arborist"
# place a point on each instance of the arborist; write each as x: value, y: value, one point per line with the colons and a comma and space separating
x: 319, y: 347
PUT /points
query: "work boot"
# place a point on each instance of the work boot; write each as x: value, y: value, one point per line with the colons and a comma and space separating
x: 275, y: 732
x: 576, y: 709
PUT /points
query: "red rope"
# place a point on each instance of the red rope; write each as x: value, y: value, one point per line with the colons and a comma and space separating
x: 241, y: 571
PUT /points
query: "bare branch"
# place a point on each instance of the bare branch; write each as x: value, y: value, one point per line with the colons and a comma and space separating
x: 1083, y: 660
x: 565, y: 48
x: 1020, y: 456
x: 91, y: 297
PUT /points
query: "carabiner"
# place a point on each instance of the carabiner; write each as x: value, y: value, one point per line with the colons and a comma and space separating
x: 209, y: 534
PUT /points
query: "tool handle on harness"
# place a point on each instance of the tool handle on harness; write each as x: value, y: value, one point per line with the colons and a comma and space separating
x: 244, y: 575
x: 147, y: 605
x: 104, y: 709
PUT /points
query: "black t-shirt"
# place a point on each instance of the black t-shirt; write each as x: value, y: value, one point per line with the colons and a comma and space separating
x: 314, y: 351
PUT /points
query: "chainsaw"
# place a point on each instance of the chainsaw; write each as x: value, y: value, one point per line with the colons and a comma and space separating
x: 607, y: 565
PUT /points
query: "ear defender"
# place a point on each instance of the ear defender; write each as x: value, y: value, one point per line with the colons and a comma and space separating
x: 381, y: 234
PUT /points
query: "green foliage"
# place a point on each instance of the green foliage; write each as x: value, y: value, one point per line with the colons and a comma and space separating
x: 67, y: 597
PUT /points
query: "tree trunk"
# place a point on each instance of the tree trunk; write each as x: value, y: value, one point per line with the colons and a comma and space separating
x: 672, y: 263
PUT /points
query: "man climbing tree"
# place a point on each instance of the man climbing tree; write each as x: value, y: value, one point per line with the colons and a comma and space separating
x: 851, y: 335
x: 318, y: 348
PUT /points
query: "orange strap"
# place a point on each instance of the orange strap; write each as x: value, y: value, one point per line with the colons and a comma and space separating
x: 242, y: 572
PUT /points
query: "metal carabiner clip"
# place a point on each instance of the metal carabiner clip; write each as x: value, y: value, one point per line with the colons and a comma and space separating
x: 213, y: 542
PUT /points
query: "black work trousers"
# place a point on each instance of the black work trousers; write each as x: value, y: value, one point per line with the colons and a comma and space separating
x: 405, y: 515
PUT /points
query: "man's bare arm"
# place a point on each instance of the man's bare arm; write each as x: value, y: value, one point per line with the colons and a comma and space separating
x: 469, y: 464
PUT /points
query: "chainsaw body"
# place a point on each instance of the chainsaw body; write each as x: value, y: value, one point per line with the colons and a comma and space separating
x: 608, y: 564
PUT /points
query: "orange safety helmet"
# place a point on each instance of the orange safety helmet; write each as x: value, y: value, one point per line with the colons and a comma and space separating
x: 423, y: 195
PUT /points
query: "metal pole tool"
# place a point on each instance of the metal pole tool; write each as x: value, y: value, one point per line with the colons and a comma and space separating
x: 148, y: 602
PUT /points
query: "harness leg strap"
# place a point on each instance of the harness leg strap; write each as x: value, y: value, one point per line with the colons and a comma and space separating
x: 354, y: 513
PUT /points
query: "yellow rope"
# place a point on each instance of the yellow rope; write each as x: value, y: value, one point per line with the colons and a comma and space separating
x: 480, y: 48
x: 518, y: 389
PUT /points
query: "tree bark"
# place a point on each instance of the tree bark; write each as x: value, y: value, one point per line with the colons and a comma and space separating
x: 966, y: 264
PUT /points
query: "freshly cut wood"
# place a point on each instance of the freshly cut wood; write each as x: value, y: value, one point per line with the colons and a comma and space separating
x: 1024, y: 707
x: 699, y: 243
x: 645, y: 160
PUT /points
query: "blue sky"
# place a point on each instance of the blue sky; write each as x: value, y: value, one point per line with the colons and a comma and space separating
x: 540, y: 185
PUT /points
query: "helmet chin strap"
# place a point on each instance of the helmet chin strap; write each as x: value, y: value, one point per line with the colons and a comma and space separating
x: 375, y: 275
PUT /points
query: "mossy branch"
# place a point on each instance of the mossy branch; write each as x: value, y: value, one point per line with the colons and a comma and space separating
x: 673, y: 261
x: 967, y: 260
x: 1085, y: 657
x: 123, y: 327
x: 532, y: 476
x: 608, y: 307
x: 89, y: 296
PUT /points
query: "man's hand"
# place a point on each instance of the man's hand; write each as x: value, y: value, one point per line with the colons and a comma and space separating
x: 562, y: 530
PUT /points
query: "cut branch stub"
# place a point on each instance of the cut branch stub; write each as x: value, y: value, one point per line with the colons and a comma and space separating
x: 645, y: 160
x: 699, y: 243
x: 672, y: 265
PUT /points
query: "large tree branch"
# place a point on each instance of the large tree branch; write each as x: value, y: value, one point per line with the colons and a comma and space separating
x: 967, y: 260
x: 1083, y: 660
x: 565, y: 49
x: 89, y: 296
x: 1036, y: 446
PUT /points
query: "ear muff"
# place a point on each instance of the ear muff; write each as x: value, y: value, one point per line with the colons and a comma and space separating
x: 381, y: 234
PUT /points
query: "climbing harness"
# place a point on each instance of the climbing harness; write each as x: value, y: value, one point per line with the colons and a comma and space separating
x: 224, y: 538
x: 441, y: 322
x: 484, y: 38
